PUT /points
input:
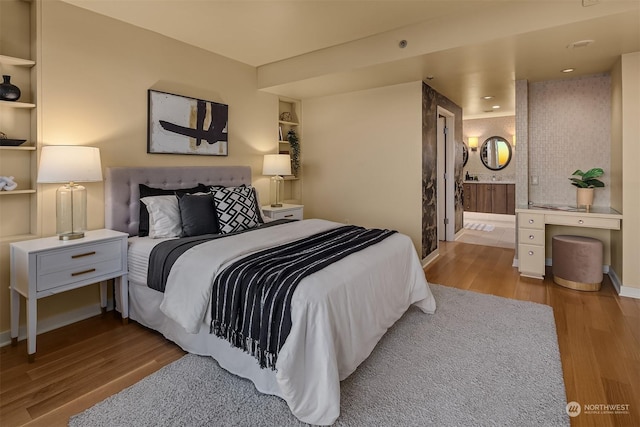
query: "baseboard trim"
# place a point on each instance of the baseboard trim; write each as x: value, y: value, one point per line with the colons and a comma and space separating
x: 629, y: 292
x: 57, y: 321
x: 623, y: 291
x: 430, y: 258
x: 615, y: 280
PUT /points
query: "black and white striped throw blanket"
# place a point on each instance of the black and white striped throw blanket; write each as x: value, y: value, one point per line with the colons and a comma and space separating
x: 251, y: 298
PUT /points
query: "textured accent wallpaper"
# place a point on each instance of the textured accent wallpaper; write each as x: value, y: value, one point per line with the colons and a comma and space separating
x: 569, y: 129
x: 430, y: 102
x: 522, y: 143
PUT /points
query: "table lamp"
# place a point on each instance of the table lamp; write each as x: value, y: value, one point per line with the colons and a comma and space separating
x: 70, y: 164
x: 276, y: 165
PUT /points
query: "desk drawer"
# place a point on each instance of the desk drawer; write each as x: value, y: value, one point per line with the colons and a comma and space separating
x: 583, y: 221
x: 77, y: 257
x: 77, y: 274
x: 531, y: 236
x: 527, y: 220
x: 531, y: 259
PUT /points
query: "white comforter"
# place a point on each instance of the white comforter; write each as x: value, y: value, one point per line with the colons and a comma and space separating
x: 338, y: 314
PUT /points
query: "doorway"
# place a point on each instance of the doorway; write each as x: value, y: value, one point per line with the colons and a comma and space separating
x: 445, y: 174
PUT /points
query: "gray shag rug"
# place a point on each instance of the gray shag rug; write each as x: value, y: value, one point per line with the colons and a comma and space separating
x: 480, y: 360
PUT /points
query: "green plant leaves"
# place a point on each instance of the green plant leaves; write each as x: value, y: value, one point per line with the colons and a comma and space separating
x: 587, y: 179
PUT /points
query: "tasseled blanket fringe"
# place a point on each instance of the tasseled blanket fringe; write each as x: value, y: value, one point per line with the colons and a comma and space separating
x: 247, y: 344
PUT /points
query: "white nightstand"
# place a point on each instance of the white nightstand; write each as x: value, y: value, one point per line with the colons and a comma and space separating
x: 43, y: 267
x: 284, y: 212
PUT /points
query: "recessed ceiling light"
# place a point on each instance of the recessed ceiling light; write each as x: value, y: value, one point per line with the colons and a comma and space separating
x: 430, y: 77
x: 487, y: 97
x: 580, y: 43
x: 568, y: 70
x: 495, y: 107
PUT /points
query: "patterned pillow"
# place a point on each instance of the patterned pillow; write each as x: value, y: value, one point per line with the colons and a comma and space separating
x: 236, y: 208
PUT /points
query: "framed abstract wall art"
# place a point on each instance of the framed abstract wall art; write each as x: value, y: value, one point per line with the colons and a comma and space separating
x: 182, y: 125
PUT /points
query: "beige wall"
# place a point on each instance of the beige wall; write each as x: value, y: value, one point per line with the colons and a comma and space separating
x: 630, y: 70
x: 616, y: 164
x: 362, y: 158
x: 95, y: 75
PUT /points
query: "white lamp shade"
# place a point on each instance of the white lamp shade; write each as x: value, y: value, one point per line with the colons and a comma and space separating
x: 276, y: 164
x: 69, y: 163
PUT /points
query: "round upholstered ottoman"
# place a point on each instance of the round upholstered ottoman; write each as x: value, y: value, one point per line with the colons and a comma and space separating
x: 577, y: 262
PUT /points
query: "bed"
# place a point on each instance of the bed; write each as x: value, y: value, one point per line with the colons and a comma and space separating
x: 338, y: 314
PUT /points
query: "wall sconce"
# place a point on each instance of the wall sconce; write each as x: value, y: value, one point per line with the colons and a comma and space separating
x: 513, y: 139
x: 473, y: 143
x: 70, y: 164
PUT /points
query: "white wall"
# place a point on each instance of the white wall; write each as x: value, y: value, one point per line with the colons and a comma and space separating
x: 362, y: 158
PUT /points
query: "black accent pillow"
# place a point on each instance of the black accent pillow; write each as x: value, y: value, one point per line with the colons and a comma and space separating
x: 198, y: 214
x: 146, y: 191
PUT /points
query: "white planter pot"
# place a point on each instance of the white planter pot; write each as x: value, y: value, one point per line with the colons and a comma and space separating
x: 584, y: 198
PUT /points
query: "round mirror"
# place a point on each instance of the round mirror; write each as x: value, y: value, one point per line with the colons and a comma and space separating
x: 465, y: 154
x: 495, y: 153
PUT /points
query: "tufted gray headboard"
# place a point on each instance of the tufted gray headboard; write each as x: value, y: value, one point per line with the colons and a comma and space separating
x: 122, y: 194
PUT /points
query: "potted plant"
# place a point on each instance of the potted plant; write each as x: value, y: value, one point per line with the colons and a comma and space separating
x: 586, y: 182
x: 294, y: 143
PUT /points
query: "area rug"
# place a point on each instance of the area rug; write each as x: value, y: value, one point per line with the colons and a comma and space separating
x: 479, y: 360
x: 478, y: 226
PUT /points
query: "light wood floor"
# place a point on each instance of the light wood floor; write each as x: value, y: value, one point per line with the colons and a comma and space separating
x: 82, y: 364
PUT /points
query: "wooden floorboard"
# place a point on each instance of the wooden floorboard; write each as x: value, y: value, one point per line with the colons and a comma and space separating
x: 82, y: 364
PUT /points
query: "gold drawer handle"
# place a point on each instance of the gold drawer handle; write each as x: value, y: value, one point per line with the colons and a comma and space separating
x: 83, y: 255
x: 91, y: 270
x: 530, y: 252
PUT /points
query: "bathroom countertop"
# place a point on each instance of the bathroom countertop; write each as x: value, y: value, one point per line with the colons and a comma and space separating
x: 489, y: 182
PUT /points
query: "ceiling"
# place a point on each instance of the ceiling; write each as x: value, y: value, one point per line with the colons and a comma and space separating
x: 463, y: 49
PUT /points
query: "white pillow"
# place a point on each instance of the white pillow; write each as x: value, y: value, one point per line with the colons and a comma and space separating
x: 164, y: 216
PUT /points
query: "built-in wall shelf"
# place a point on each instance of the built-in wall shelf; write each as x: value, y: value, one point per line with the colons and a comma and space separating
x: 282, y: 122
x: 21, y: 62
x: 16, y: 104
x: 15, y: 192
x: 19, y: 148
x: 20, y: 120
x: 290, y: 119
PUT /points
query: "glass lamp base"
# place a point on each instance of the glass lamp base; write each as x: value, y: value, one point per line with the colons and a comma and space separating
x: 277, y: 183
x: 71, y: 236
x: 71, y: 211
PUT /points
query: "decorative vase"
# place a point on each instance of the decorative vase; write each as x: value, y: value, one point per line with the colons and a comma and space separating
x: 8, y: 92
x: 585, y: 197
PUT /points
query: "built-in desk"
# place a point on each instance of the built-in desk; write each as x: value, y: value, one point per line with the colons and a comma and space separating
x: 532, y: 220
